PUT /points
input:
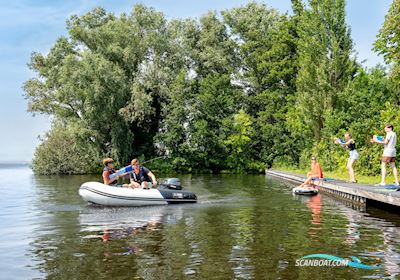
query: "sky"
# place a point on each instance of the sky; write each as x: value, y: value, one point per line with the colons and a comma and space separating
x: 28, y: 26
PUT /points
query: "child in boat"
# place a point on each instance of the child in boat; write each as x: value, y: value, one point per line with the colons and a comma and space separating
x: 108, y: 170
x: 141, y: 176
x: 315, y: 173
x: 350, y: 144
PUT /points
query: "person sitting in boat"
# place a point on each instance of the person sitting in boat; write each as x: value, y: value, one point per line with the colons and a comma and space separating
x: 141, y: 176
x: 315, y: 173
x: 108, y: 170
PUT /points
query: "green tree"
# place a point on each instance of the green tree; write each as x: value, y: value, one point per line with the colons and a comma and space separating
x: 64, y: 150
x: 217, y: 101
x: 94, y: 78
x: 176, y: 126
x: 325, y: 65
x: 202, y: 96
x: 266, y: 43
x: 81, y: 88
x: 387, y: 44
x: 239, y: 142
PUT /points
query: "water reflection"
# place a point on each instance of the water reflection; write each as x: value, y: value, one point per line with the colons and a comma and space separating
x: 245, y: 227
x: 386, y: 232
x: 315, y: 206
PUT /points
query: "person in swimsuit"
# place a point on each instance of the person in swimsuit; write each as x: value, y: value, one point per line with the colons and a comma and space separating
x: 350, y: 144
x: 315, y: 173
x: 389, y: 153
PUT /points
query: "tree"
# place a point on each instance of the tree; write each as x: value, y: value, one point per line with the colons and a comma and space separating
x: 359, y: 109
x: 266, y: 43
x: 325, y: 65
x: 95, y: 78
x: 64, y: 150
x: 84, y: 88
x: 388, y: 40
x: 239, y: 142
x: 202, y: 97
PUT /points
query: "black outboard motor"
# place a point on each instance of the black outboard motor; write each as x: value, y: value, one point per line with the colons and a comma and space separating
x: 172, y: 192
x: 171, y: 183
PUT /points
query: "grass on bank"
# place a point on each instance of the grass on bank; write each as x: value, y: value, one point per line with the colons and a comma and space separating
x: 362, y: 179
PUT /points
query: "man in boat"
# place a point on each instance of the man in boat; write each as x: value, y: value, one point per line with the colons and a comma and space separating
x: 108, y: 170
x: 141, y: 176
x: 315, y: 173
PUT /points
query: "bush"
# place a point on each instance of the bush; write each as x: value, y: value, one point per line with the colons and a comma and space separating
x: 63, y: 151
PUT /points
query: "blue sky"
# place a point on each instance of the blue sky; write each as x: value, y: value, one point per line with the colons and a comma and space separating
x: 27, y: 26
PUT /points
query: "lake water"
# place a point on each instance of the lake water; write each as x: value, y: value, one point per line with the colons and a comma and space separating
x: 243, y: 227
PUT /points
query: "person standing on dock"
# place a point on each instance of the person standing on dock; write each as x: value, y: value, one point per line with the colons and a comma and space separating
x: 349, y: 144
x: 389, y: 153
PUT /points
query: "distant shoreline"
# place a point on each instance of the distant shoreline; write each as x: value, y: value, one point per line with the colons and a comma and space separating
x: 14, y: 164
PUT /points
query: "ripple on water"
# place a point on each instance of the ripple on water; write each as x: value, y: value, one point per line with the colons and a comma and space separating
x: 244, y: 227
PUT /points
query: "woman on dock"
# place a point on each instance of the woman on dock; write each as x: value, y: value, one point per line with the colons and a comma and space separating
x: 389, y: 153
x: 315, y: 173
x: 349, y: 144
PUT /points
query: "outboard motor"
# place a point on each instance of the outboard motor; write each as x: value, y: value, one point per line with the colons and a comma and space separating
x: 172, y: 183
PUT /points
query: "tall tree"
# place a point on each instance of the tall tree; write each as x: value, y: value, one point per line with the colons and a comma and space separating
x: 388, y: 41
x: 325, y: 65
x: 202, y: 97
x: 266, y: 44
x: 104, y: 76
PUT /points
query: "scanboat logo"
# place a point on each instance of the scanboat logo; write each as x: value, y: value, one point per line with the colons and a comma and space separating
x: 330, y: 260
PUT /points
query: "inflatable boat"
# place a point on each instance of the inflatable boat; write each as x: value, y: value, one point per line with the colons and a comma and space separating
x: 305, y: 190
x: 168, y: 192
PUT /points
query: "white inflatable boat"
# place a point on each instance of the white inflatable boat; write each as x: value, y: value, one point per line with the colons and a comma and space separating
x: 166, y: 193
x: 305, y: 190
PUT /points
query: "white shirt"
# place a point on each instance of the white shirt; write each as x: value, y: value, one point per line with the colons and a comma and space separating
x: 390, y: 148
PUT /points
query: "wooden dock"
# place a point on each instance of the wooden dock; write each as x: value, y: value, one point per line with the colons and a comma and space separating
x: 359, y: 193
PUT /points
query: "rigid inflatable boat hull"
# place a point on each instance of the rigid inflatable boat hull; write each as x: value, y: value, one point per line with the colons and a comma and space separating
x: 97, y: 193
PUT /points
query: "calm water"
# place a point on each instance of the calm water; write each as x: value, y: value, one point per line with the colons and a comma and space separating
x: 242, y: 228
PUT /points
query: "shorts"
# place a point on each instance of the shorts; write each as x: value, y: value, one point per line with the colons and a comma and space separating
x: 353, y: 155
x: 388, y: 159
x: 149, y: 185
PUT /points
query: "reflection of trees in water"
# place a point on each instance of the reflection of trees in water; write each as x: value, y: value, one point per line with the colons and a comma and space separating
x: 57, y: 191
x: 388, y: 225
x: 62, y: 248
x: 382, y: 229
x: 258, y: 239
x: 344, y: 227
x: 55, y: 245
x: 70, y: 253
